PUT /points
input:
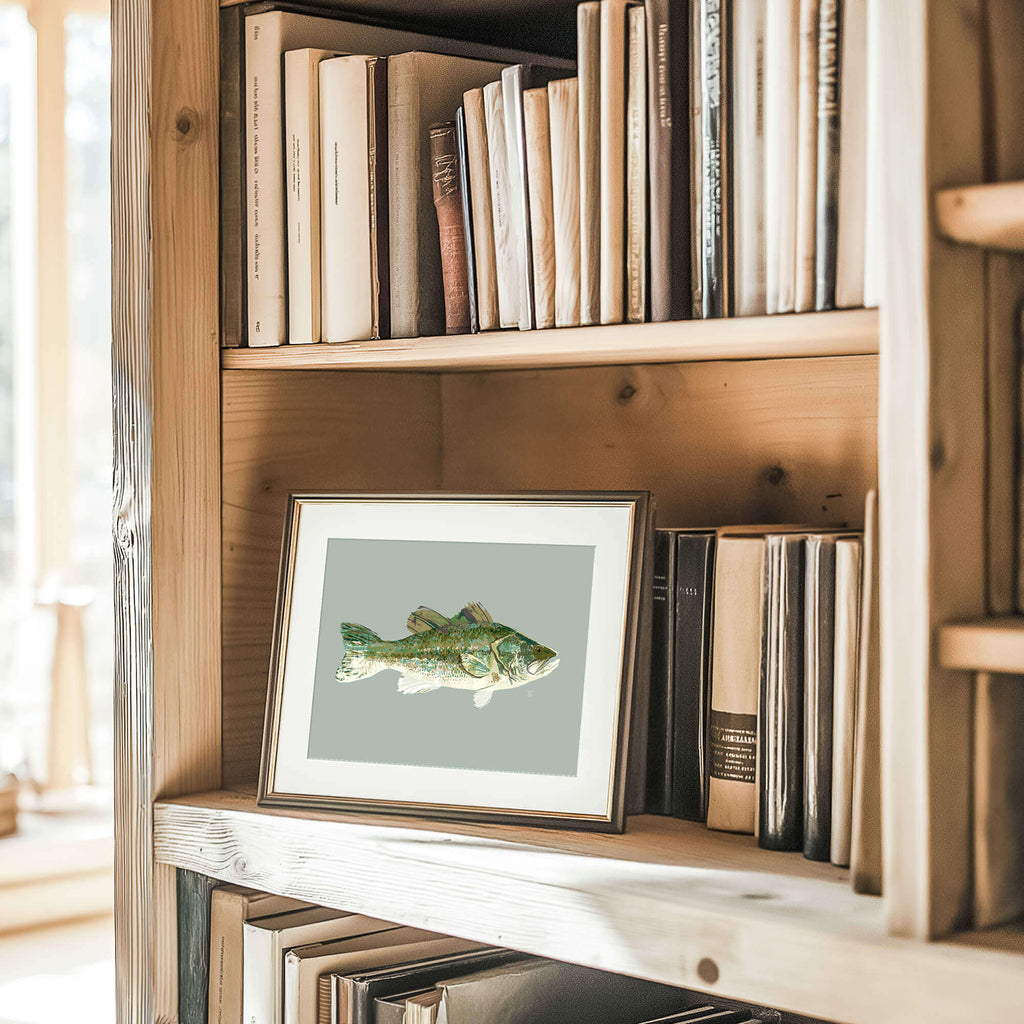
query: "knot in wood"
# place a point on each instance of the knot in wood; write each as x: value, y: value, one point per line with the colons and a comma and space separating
x: 707, y: 970
x: 185, y: 123
x: 627, y: 393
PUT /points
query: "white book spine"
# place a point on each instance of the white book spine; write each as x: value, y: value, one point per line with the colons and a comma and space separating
x: 505, y: 252
x: 613, y: 160
x: 852, y: 156
x: 347, y: 285
x: 293, y: 979
x: 261, y: 970
x: 807, y: 156
x: 565, y: 183
x: 515, y: 151
x: 748, y: 156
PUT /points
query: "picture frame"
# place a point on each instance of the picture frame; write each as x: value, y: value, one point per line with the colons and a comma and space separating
x: 513, y: 624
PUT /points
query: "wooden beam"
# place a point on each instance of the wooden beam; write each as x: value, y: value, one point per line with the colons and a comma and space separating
x: 984, y: 215
x: 985, y: 645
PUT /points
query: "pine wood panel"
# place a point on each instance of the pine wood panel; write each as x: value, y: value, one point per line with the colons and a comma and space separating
x: 292, y: 432
x: 844, y: 332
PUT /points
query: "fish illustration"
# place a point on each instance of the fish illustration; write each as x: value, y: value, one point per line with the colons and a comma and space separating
x: 469, y: 651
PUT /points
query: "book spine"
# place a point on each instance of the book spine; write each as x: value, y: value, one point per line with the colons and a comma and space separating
x: 483, y: 224
x: 588, y: 42
x: 377, y: 168
x: 261, y: 971
x: 748, y: 187
x: 662, y: 690
x: 325, y: 1011
x: 636, y: 169
x: 265, y: 234
x: 714, y: 159
x: 820, y: 594
x: 613, y: 160
x: 874, y: 247
x: 467, y: 216
x: 828, y: 156
x: 513, y: 82
x: 193, y: 898
x: 292, y: 993
x: 537, y: 123
x: 695, y: 562
x: 807, y: 155
x: 233, y: 316
x: 781, y: 718
x: 668, y: 119
x: 696, y: 163
x: 506, y: 254
x: 447, y: 185
x: 564, y: 118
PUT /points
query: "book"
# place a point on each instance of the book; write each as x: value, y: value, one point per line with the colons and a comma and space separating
x: 422, y: 1008
x: 715, y: 233
x: 874, y: 221
x: 482, y: 223
x: 467, y: 216
x: 302, y: 178
x: 827, y: 195
x: 696, y: 163
x: 844, y: 702
x: 588, y: 63
x: 514, y: 80
x: 661, y: 717
x: 806, y: 154
x: 691, y: 698
x: 537, y: 123
x: 230, y: 907
x: 636, y: 167
x: 748, y: 188
x: 446, y: 180
x: 780, y: 117
x: 193, y: 899
x: 668, y: 121
x: 506, y: 254
x: 781, y: 709
x: 391, y: 1009
x: 738, y: 623
x: 613, y: 160
x: 231, y: 176
x: 564, y: 121
x: 423, y: 89
x: 819, y: 626
x: 852, y: 156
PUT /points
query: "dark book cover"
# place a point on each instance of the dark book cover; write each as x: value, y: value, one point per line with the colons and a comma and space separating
x: 691, y: 702
x: 660, y: 717
x: 827, y: 187
x: 377, y: 152
x: 193, y: 893
x: 819, y: 626
x: 781, y: 712
x: 668, y: 140
x: 467, y: 216
x: 715, y: 255
x: 446, y: 176
x: 233, y: 315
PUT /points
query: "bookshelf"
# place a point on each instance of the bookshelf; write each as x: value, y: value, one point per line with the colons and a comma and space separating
x: 766, y: 419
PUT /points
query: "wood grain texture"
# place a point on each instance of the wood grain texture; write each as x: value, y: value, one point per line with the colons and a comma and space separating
x: 542, y: 218
x: 654, y: 903
x: 985, y: 215
x: 301, y: 432
x: 985, y: 645
x: 564, y: 118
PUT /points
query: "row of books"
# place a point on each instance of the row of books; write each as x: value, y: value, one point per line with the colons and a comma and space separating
x: 275, y: 960
x: 764, y: 686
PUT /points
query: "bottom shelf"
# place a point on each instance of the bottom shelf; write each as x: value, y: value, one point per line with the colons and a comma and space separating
x: 669, y: 901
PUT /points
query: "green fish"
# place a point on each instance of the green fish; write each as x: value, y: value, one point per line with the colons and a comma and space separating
x: 469, y: 651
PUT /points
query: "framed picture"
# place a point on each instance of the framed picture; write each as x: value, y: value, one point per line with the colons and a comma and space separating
x: 457, y: 656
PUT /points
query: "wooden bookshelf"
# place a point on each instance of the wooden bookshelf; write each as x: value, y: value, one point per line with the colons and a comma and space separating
x: 986, y: 645
x: 985, y: 215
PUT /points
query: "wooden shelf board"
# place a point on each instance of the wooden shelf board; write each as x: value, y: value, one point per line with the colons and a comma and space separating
x: 655, y: 903
x: 984, y: 215
x: 984, y: 645
x: 844, y: 332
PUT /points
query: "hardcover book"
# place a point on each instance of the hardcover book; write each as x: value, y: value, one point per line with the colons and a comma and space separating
x: 446, y: 178
x: 467, y: 216
x: 806, y: 155
x: 636, y: 168
x: 506, y: 252
x: 828, y: 155
x: 563, y: 113
x: 482, y: 222
x: 542, y: 219
x: 588, y: 41
x: 662, y: 691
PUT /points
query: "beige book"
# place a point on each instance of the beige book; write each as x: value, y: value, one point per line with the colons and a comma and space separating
x: 636, y: 168
x: 506, y: 255
x: 806, y: 155
x: 422, y: 1008
x: 563, y: 115
x: 588, y: 60
x: 613, y: 160
x: 483, y: 225
x: 542, y: 221
x: 874, y: 225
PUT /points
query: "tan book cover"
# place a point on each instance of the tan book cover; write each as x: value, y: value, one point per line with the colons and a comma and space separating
x: 563, y: 114
x: 542, y: 221
x: 636, y: 169
x: 806, y: 155
x: 613, y: 160
x: 506, y: 254
x: 483, y: 225
x: 588, y: 60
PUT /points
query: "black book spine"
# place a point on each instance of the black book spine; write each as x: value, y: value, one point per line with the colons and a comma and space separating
x: 827, y: 190
x: 467, y: 216
x: 233, y: 315
x: 714, y: 158
x: 193, y: 893
x: 668, y: 134
x: 781, y: 718
x: 820, y: 604
x: 663, y: 620
x: 695, y: 567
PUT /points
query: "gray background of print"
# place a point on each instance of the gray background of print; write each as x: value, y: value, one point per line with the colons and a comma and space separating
x: 543, y: 590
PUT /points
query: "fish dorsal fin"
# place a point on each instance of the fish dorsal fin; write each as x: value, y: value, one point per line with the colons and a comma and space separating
x: 475, y: 614
x: 424, y: 619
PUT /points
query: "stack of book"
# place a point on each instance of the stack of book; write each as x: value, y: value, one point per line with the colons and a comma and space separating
x: 764, y: 688
x: 275, y: 960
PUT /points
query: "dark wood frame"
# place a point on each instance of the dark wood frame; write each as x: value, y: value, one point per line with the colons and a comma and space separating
x: 630, y: 692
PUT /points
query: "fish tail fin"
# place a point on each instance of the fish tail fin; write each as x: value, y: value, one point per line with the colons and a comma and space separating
x: 354, y: 664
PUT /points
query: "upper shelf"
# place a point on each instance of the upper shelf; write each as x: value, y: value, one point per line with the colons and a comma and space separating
x: 844, y: 332
x: 669, y: 900
x: 984, y: 645
x: 985, y: 215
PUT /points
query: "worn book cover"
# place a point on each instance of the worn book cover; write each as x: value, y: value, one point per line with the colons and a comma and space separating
x: 506, y: 252
x: 539, y: 188
x: 478, y: 164
x: 446, y: 179
x: 563, y: 114
x: 636, y: 167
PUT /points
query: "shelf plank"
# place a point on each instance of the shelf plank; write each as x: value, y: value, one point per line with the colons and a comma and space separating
x: 655, y: 903
x: 984, y: 645
x: 985, y: 215
x: 839, y: 333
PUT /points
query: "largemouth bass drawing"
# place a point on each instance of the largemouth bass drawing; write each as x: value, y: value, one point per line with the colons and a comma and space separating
x: 469, y: 651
